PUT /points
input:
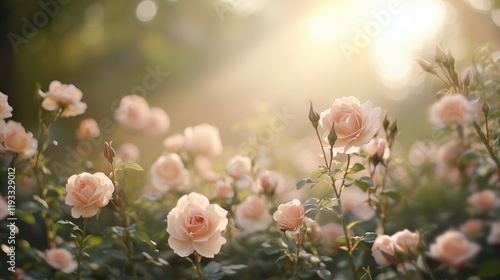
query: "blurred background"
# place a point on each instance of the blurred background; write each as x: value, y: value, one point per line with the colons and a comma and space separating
x: 232, y: 63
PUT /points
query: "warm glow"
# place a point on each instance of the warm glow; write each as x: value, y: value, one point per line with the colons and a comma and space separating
x: 146, y: 10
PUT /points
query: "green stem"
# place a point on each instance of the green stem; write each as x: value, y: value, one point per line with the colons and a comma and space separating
x: 322, y: 149
x: 80, y: 245
x: 493, y: 156
x: 427, y: 268
x: 197, y: 261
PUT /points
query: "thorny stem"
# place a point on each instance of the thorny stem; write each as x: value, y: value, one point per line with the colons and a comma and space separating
x: 80, y: 245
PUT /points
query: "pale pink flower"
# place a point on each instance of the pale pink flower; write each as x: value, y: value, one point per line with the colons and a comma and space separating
x: 354, y: 201
x: 494, y: 236
x: 290, y: 215
x: 253, y: 214
x: 4, y: 208
x: 61, y: 259
x: 196, y: 225
x: 271, y: 182
x: 223, y: 189
x: 67, y: 97
x: 5, y: 108
x: 88, y: 129
x: 158, y: 122
x: 19, y: 141
x: 167, y: 171
x: 355, y: 123
x: 452, y: 110
x: 203, y: 140
x: 483, y: 201
x: 174, y: 143
x: 330, y: 233
x: 87, y: 193
x: 204, y: 168
x: 239, y: 166
x: 128, y: 152
x: 407, y: 242
x: 383, y: 250
x: 453, y: 249
x: 472, y: 227
x: 379, y: 147
x: 133, y: 112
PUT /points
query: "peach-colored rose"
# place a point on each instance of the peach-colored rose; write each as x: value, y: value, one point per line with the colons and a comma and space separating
x: 128, y: 152
x: 290, y: 215
x: 407, y: 242
x: 253, y: 215
x: 61, y: 259
x: 87, y: 193
x: 5, y: 109
x: 167, y: 171
x: 483, y: 200
x: 239, y: 166
x: 67, y: 97
x: 472, y: 227
x: 330, y: 233
x: 4, y: 131
x: 494, y: 236
x: 379, y: 147
x: 223, y: 189
x: 196, y: 225
x: 174, y: 143
x: 203, y: 140
x: 453, y: 249
x: 271, y: 182
x: 355, y: 123
x: 133, y: 112
x: 383, y: 250
x: 158, y: 122
x: 452, y: 110
x: 4, y: 208
x: 88, y: 129
x: 19, y: 141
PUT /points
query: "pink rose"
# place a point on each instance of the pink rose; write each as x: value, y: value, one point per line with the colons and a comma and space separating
x: 453, y: 249
x: 203, y: 140
x: 383, y: 250
x: 4, y: 208
x: 354, y: 201
x: 407, y: 242
x: 196, y: 225
x: 239, y: 167
x: 355, y: 123
x: 87, y: 193
x: 204, y: 168
x: 253, y: 215
x: 271, y: 182
x: 167, y: 171
x: 19, y: 141
x: 128, y: 152
x: 331, y: 232
x: 5, y: 109
x: 174, y: 143
x: 472, y: 227
x: 223, y: 189
x: 290, y: 215
x: 452, y: 110
x: 67, y: 97
x: 88, y: 129
x: 60, y: 259
x: 133, y: 112
x: 379, y: 147
x: 158, y: 122
x: 483, y: 201
x: 494, y: 236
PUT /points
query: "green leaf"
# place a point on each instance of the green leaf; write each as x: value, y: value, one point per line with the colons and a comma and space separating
x: 364, y: 183
x: 369, y: 237
x: 231, y: 269
x: 65, y: 222
x: 316, y: 174
x: 489, y: 268
x: 213, y: 271
x: 300, y: 184
x: 394, y: 195
x: 280, y: 262
x: 323, y: 273
x: 427, y: 230
x: 130, y: 166
x: 351, y: 224
x: 356, y: 168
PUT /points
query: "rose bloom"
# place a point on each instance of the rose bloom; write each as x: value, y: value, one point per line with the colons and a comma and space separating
x: 406, y: 241
x: 63, y: 96
x: 355, y: 123
x: 453, y: 249
x: 4, y: 131
x: 331, y: 232
x: 19, y: 141
x: 196, y: 225
x: 60, y: 259
x: 472, y: 227
x: 383, y: 250
x: 87, y: 193
x: 87, y: 129
x: 204, y: 168
x: 239, y: 167
x: 379, y: 147
x: 223, y: 189
x: 158, y: 122
x: 167, y: 171
x: 253, y: 215
x: 290, y: 215
x: 483, y: 201
x: 203, y: 140
x: 452, y: 110
x: 271, y: 182
x: 494, y: 236
x: 5, y: 108
x: 128, y: 152
x: 4, y: 208
x: 174, y: 143
x: 133, y: 112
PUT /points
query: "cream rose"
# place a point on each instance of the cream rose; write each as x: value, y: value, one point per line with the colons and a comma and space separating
x: 253, y: 215
x: 88, y: 129
x: 483, y: 201
x: 87, y: 193
x: 379, y: 147
x: 158, y: 122
x: 494, y: 235
x: 133, y: 112
x: 5, y: 109
x: 61, y: 259
x: 128, y: 152
x: 453, y: 249
x: 452, y: 110
x: 196, y: 225
x: 383, y: 250
x: 19, y: 141
x: 203, y: 140
x: 67, y: 97
x: 290, y: 215
x: 271, y: 182
x: 407, y: 242
x: 174, y: 143
x: 355, y: 123
x: 239, y: 167
x: 223, y: 189
x: 167, y: 171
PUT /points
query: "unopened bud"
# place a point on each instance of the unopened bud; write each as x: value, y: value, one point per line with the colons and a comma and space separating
x: 386, y: 122
x: 468, y: 78
x: 451, y: 60
x: 332, y: 136
x: 109, y: 152
x: 485, y: 108
x: 394, y: 128
x: 313, y: 115
x: 426, y: 66
x: 440, y: 56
